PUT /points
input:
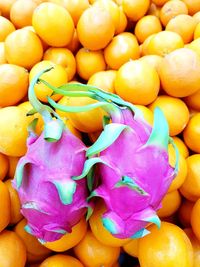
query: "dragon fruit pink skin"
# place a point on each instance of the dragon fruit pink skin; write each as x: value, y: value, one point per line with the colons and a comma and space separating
x: 132, y: 173
x: 51, y: 201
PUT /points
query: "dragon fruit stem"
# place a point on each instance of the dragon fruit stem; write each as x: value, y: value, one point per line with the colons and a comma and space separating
x: 52, y: 128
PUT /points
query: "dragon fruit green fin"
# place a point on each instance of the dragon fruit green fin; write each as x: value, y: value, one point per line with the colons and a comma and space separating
x: 65, y: 190
x: 127, y: 181
x: 109, y: 135
x: 160, y: 133
x: 140, y: 233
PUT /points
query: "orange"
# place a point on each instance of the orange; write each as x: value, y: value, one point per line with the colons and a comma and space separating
x: 185, y: 211
x: 56, y: 77
x: 55, y: 32
x: 182, y: 169
x: 27, y: 50
x: 92, y: 253
x: 195, y: 46
x: 192, y: 5
x: 154, y: 10
x: 193, y: 101
x: 195, y: 219
x: 147, y: 113
x: 32, y: 244
x: 122, y: 21
x: 184, y: 25
x: 15, y: 215
x: 5, y: 7
x: 69, y: 240
x: 26, y: 107
x: 4, y: 163
x: 61, y: 260
x: 13, y: 131
x: 89, y: 121
x: 196, y: 16
x: 4, y: 207
x: 179, y: 73
x: 12, y: 166
x: 13, y: 85
x: 95, y: 28
x: 164, y: 42
x: 74, y: 45
x: 104, y: 80
x: 197, y: 31
x: 21, y: 13
x: 175, y: 111
x: 89, y: 62
x: 191, y: 133
x: 100, y: 232
x: 6, y: 28
x: 170, y: 204
x: 168, y: 246
x: 153, y: 60
x: 135, y: 9
x: 74, y: 7
x: 196, y: 246
x: 147, y: 26
x: 144, y: 47
x: 112, y: 8
x: 71, y: 128
x: 159, y: 2
x: 191, y: 184
x: 131, y: 248
x: 131, y: 85
x: 12, y: 250
x: 2, y: 53
x: 182, y: 148
x: 63, y: 57
x: 121, y: 49
x: 171, y: 9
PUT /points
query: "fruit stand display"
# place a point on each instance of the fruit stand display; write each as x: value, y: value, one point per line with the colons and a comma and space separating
x: 99, y: 133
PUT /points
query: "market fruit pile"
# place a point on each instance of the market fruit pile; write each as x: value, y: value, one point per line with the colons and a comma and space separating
x: 99, y: 133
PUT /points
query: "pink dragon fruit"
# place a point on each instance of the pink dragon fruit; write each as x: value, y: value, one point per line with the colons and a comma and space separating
x: 52, y: 202
x: 132, y: 165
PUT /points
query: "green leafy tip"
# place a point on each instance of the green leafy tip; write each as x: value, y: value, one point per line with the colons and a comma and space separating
x: 109, y: 135
x: 160, y: 132
x: 65, y: 190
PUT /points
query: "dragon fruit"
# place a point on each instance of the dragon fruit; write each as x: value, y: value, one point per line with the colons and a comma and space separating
x: 132, y: 172
x: 52, y: 202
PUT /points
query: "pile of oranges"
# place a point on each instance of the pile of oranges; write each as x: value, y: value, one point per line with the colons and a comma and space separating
x: 147, y: 52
